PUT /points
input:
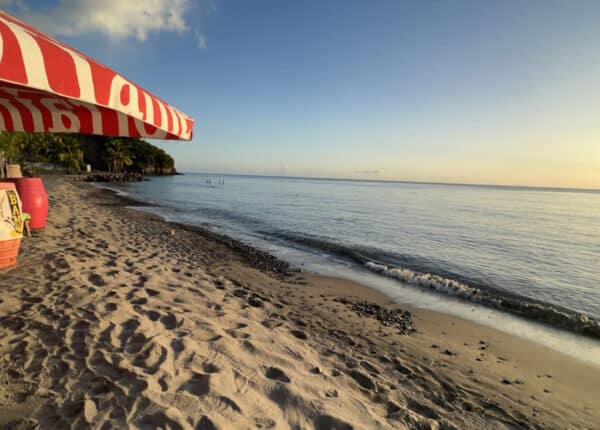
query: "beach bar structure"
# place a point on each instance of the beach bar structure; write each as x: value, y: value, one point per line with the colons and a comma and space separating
x: 47, y: 86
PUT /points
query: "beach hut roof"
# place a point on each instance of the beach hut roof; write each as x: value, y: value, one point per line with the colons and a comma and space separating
x: 47, y: 86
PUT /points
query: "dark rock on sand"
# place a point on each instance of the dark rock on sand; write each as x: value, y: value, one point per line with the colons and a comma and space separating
x: 114, y: 177
x: 387, y: 317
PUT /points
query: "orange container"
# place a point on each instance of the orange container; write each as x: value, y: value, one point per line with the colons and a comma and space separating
x: 9, y: 250
x: 11, y: 225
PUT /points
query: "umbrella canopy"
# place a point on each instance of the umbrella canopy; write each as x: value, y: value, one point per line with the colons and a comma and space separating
x: 46, y: 86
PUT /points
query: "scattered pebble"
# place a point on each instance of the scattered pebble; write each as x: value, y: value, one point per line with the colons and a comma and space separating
x: 387, y: 317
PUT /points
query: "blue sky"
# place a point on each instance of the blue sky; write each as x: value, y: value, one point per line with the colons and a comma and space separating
x: 479, y: 92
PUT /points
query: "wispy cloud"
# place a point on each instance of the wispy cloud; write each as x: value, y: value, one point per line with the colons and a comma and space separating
x: 371, y: 172
x: 118, y: 19
x: 201, y: 40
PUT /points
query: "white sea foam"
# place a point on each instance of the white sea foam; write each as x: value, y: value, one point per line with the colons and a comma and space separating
x: 427, y: 280
x: 539, y: 311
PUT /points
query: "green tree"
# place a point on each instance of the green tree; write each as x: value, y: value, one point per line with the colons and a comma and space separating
x: 34, y: 146
x: 10, y: 146
x: 70, y: 154
x: 118, y: 154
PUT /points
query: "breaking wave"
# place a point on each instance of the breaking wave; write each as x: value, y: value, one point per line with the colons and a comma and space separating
x: 518, y: 305
x: 420, y: 272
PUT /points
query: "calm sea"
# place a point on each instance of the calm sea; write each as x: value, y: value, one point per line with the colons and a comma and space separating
x: 529, y: 252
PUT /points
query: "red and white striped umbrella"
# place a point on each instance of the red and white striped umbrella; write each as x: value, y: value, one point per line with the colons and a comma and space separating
x: 46, y: 86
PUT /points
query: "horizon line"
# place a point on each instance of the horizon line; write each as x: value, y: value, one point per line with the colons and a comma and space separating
x: 404, y: 181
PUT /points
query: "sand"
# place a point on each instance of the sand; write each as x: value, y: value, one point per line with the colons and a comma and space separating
x: 115, y: 319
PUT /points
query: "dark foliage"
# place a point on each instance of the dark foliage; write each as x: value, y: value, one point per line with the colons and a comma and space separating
x: 74, y: 151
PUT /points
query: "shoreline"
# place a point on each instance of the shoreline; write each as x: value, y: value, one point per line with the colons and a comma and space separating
x: 556, y: 324
x: 187, y: 323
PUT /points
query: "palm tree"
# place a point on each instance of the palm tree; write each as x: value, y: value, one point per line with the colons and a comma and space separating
x: 71, y: 157
x: 118, y: 155
x: 10, y: 145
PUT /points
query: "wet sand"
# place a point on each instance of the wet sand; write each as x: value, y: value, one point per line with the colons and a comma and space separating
x: 116, y: 319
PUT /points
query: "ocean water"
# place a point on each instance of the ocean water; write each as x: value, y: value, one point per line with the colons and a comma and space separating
x: 533, y: 253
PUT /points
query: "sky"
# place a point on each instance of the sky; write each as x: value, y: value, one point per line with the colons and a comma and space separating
x: 504, y: 92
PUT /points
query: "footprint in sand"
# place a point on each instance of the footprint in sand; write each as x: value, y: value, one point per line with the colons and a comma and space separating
x: 392, y: 410
x: 210, y: 367
x: 422, y: 409
x: 139, y: 301
x: 369, y: 368
x: 96, y: 279
x: 151, y: 358
x: 153, y: 315
x: 363, y: 380
x: 234, y: 334
x: 249, y: 346
x: 178, y: 346
x: 159, y: 420
x: 112, y: 262
x: 271, y: 323
x: 401, y: 367
x: 136, y: 343
x: 101, y: 244
x: 169, y: 321
x: 164, y: 382
x: 277, y: 374
x: 105, y: 337
x: 127, y: 331
x: 299, y: 323
x: 197, y: 385
x: 299, y: 334
x: 142, y: 279
x: 196, y: 291
x: 128, y: 381
x: 327, y: 422
x: 226, y: 403
x: 255, y: 301
x: 205, y: 424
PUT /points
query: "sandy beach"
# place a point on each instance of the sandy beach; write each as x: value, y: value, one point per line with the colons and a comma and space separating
x: 116, y: 319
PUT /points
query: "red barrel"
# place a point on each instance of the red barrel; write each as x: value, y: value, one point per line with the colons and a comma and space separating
x: 33, y: 198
